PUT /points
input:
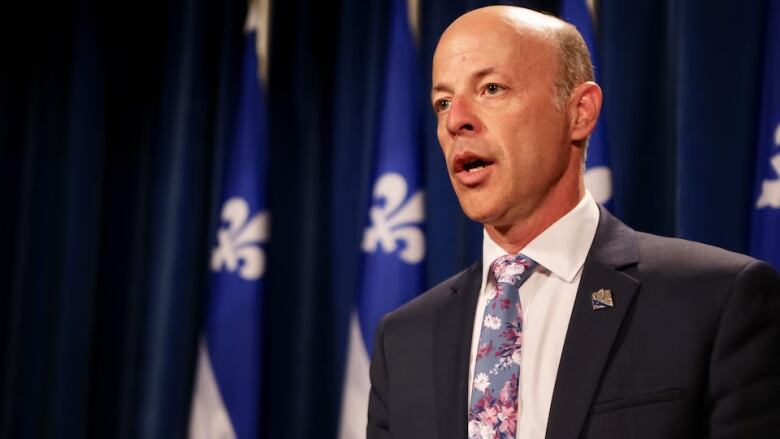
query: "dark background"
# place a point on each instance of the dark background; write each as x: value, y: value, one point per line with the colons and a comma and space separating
x: 112, y: 125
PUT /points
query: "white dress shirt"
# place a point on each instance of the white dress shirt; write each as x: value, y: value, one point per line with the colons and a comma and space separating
x: 547, y: 298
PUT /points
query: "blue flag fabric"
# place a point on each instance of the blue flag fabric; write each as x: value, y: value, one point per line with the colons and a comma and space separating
x: 765, y: 230
x: 393, y: 239
x: 227, y: 394
x: 393, y: 242
x: 598, y: 172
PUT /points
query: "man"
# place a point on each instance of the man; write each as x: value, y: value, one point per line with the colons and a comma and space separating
x: 572, y: 325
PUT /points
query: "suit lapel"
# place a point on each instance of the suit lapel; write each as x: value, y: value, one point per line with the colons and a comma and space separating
x: 453, y: 329
x: 591, y: 333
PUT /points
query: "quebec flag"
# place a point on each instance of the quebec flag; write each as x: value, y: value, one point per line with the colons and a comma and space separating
x: 765, y: 230
x: 393, y: 239
x: 598, y: 173
x: 227, y: 387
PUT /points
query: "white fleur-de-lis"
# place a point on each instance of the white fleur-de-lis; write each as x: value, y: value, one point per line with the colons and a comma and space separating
x: 393, y: 221
x: 770, y: 188
x: 238, y: 241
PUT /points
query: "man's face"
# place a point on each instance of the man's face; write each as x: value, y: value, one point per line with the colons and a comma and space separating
x: 505, y: 144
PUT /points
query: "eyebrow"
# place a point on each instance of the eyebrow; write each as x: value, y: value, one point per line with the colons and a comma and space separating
x: 479, y: 74
x: 440, y: 88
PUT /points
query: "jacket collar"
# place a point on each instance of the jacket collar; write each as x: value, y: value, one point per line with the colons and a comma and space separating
x: 453, y: 328
x: 591, y: 333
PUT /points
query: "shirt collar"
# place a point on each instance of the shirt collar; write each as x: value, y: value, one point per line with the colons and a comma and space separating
x: 561, y: 248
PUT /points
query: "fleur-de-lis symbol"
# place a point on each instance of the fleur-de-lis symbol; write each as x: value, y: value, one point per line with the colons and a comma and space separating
x: 393, y: 221
x: 238, y: 240
x: 770, y: 189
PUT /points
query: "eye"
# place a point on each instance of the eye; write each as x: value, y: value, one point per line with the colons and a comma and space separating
x: 441, y: 105
x: 492, y: 89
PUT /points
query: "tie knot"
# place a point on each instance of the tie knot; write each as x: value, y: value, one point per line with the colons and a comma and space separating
x: 512, y: 269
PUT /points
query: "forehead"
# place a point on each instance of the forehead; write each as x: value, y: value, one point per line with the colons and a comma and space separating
x: 467, y: 50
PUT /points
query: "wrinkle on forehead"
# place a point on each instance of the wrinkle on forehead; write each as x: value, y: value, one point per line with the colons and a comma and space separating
x: 462, y: 50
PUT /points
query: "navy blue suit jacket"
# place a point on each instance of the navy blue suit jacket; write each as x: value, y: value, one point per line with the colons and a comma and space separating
x: 690, y: 349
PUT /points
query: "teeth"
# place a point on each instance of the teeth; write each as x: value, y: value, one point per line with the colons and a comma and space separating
x: 478, y: 168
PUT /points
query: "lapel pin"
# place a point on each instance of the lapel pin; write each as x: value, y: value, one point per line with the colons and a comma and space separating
x: 601, y: 299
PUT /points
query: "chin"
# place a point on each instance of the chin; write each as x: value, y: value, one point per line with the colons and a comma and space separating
x: 479, y: 213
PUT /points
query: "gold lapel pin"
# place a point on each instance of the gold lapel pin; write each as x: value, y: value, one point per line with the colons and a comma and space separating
x: 601, y: 299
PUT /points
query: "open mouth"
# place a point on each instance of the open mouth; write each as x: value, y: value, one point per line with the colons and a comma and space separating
x: 470, y: 162
x: 475, y: 165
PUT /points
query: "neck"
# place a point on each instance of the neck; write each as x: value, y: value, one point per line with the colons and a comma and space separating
x: 514, y: 236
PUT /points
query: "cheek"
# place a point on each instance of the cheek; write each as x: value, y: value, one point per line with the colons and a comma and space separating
x: 526, y: 151
x: 441, y: 132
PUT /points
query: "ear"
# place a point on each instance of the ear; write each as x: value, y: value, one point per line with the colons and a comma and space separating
x: 584, y: 109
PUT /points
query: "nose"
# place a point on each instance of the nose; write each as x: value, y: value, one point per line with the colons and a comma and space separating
x: 461, y: 119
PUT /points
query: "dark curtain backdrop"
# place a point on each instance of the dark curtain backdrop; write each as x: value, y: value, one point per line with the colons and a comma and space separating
x: 113, y: 124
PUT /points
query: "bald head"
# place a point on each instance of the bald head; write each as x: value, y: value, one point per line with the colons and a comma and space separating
x: 552, y: 39
x: 521, y: 19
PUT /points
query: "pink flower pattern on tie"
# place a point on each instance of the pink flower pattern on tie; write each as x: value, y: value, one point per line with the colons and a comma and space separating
x: 493, y: 412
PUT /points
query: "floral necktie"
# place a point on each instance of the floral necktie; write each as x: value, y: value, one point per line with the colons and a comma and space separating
x: 493, y: 411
